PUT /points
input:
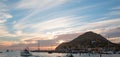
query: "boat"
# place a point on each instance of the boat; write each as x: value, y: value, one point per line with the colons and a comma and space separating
x: 50, y: 52
x: 27, y: 53
x: 7, y: 50
x: 1, y: 52
x: 69, y: 55
x: 38, y: 50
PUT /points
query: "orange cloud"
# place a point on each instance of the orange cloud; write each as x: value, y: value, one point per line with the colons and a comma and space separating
x: 115, y: 39
x: 6, y: 43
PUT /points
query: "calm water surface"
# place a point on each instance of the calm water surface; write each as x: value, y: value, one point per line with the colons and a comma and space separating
x: 41, y: 54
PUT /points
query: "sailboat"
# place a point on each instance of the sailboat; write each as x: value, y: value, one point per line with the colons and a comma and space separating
x: 50, y: 51
x: 38, y: 50
x: 109, y: 51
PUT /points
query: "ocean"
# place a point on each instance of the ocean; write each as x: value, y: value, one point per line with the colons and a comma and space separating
x: 44, y: 54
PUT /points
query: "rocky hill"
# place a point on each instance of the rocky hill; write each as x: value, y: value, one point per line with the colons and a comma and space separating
x: 87, y: 40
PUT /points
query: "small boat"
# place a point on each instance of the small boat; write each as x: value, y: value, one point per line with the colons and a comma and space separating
x: 50, y: 52
x: 7, y: 50
x: 27, y: 53
x: 69, y: 55
x: 1, y: 52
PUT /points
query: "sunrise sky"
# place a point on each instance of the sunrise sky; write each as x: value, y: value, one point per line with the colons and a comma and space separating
x: 24, y: 23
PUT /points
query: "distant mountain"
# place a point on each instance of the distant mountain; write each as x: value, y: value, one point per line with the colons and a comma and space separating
x: 87, y: 40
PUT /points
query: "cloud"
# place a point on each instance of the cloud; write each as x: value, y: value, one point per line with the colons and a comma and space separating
x: 38, y: 4
x: 36, y: 37
x: 112, y: 32
x: 48, y: 25
x: 86, y: 26
x: 116, y: 8
x: 6, y: 43
x: 98, y: 24
x: 52, y: 24
x: 115, y: 39
x: 4, y: 16
x: 113, y: 13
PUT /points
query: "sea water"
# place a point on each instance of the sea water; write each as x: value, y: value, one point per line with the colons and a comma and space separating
x: 45, y: 54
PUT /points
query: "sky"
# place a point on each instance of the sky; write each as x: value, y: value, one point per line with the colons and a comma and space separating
x: 24, y: 23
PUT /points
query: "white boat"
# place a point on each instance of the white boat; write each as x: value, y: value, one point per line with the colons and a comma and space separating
x: 69, y: 55
x: 27, y: 53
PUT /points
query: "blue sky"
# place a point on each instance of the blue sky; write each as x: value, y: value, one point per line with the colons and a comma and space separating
x: 26, y: 21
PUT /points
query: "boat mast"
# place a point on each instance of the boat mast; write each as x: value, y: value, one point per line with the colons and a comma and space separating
x: 38, y: 45
x: 108, y: 43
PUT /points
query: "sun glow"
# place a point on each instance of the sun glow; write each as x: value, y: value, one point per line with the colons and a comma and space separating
x: 61, y: 41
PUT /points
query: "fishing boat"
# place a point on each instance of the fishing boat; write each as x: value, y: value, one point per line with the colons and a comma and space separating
x: 27, y: 53
x: 69, y: 55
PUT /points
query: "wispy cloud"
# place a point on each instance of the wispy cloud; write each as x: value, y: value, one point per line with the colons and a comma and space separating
x: 37, y: 6
x: 4, y: 16
x: 116, y: 8
x: 115, y: 39
x: 6, y: 43
x: 99, y: 24
x: 113, y: 13
x: 52, y: 24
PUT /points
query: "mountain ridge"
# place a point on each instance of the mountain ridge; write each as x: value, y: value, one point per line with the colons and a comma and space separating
x: 87, y: 40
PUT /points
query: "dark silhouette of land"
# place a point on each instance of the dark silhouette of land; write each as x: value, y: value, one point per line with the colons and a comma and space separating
x: 86, y: 41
